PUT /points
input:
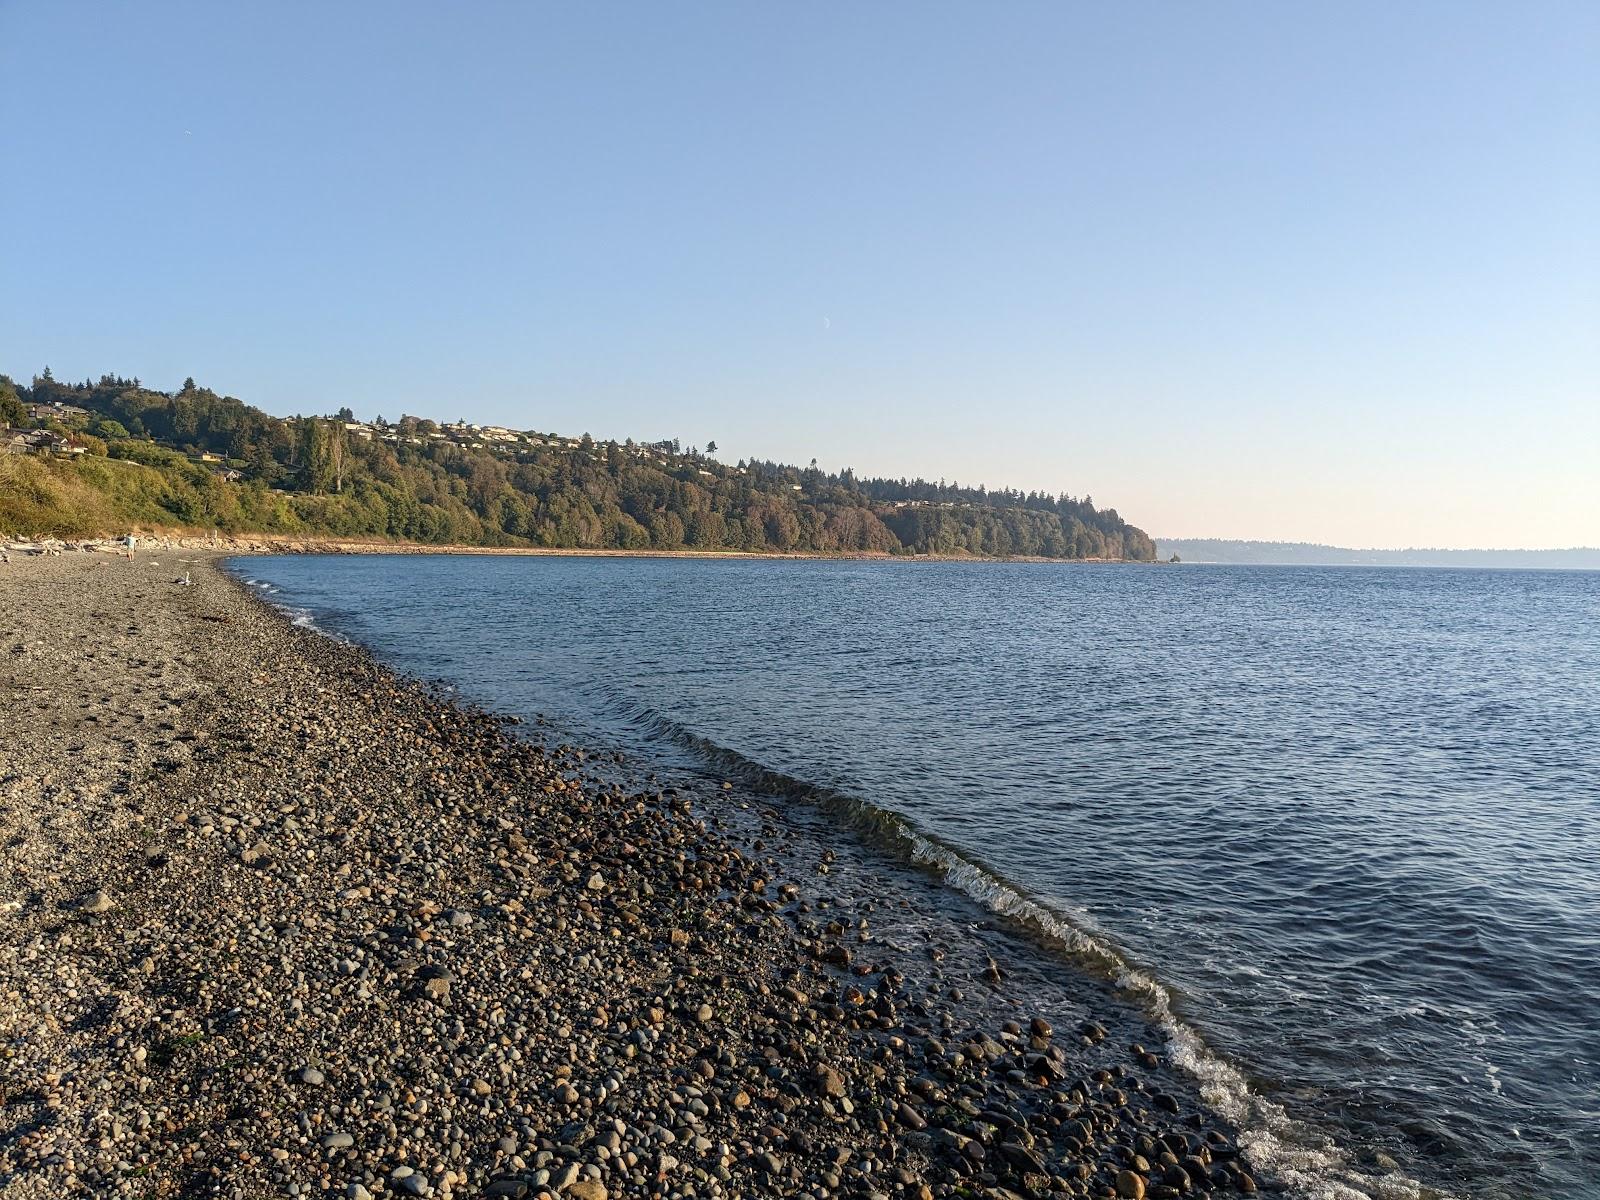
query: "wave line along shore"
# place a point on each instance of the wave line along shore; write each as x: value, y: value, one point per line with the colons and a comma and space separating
x: 277, y: 922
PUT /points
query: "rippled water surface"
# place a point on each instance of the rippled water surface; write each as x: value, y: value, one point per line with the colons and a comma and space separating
x: 1342, y: 825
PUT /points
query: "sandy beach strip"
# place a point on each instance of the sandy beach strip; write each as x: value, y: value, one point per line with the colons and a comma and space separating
x: 275, y: 922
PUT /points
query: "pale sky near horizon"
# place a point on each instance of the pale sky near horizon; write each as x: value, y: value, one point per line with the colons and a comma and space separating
x: 1313, y: 273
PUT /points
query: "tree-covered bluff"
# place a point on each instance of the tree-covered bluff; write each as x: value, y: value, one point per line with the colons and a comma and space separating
x: 124, y: 454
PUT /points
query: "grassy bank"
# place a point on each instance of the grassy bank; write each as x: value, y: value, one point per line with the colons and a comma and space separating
x: 95, y: 496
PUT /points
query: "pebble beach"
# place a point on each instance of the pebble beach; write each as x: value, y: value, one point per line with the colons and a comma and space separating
x: 275, y: 921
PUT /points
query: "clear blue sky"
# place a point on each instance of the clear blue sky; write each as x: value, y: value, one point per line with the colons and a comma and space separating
x: 1254, y: 270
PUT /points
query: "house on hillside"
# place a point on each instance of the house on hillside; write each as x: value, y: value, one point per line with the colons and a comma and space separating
x: 40, y: 441
x: 207, y: 456
x: 56, y: 412
x: 15, y: 441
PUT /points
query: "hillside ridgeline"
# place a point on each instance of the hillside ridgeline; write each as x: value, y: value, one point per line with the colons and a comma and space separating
x: 102, y: 457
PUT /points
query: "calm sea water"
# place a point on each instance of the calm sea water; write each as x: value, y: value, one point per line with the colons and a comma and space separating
x: 1339, y: 828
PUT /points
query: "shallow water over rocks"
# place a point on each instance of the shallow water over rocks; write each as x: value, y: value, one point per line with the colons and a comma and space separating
x: 1338, y: 830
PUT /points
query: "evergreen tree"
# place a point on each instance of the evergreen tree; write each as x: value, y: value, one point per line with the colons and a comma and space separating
x: 12, y: 410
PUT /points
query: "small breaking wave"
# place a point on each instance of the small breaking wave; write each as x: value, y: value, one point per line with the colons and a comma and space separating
x: 297, y: 615
x: 1310, y: 1163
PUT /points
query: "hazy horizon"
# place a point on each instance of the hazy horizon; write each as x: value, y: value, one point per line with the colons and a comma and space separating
x: 1160, y: 539
x: 1253, y: 272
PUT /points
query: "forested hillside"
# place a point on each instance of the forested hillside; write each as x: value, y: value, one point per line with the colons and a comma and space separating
x: 123, y: 454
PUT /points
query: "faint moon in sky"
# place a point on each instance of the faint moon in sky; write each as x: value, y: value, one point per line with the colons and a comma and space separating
x: 826, y: 323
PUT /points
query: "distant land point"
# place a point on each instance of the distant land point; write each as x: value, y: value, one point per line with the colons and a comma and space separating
x: 1248, y: 553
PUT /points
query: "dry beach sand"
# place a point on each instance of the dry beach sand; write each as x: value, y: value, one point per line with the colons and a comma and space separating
x: 274, y: 922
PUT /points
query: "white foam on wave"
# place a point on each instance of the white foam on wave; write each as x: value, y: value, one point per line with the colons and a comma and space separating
x: 1312, y: 1165
x: 304, y: 618
x: 301, y: 618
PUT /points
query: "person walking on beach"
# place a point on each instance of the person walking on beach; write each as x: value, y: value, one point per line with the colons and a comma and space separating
x: 128, y: 544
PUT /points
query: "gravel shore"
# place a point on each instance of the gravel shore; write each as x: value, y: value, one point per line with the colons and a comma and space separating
x: 275, y: 922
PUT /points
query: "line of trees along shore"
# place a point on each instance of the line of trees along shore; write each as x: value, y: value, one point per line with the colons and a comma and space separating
x: 198, y: 459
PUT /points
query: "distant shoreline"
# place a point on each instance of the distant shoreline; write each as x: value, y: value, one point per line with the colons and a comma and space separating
x: 1238, y: 552
x: 243, y: 545
x: 246, y: 544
